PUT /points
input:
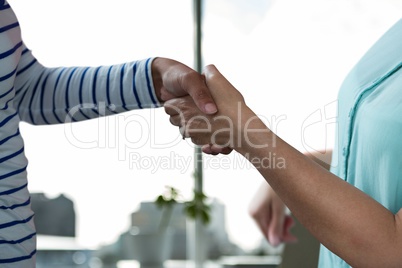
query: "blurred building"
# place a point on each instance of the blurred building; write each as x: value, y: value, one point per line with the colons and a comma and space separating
x: 55, y: 223
x: 53, y: 216
x: 147, y: 219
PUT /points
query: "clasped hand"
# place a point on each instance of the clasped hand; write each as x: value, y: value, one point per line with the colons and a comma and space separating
x: 217, y: 133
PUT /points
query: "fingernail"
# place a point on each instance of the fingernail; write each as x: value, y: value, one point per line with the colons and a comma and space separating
x: 210, y: 108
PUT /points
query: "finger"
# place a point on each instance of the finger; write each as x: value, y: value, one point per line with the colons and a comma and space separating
x: 174, y: 79
x: 171, y: 107
x: 263, y: 222
x: 183, y: 132
x: 262, y: 219
x: 276, y: 226
x: 195, y: 139
x: 263, y: 226
x: 195, y: 86
x: 166, y: 95
x: 220, y: 149
x: 176, y: 120
x: 215, y: 81
x: 209, y: 149
x: 288, y: 237
x: 226, y: 150
x: 206, y: 148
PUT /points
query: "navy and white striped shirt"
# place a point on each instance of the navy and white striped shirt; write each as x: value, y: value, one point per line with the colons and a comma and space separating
x: 40, y: 95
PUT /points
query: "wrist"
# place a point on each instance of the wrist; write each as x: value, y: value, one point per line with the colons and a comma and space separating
x: 157, y: 77
x: 252, y: 134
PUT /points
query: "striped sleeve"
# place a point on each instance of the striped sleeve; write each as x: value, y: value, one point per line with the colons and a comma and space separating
x: 17, y: 230
x: 58, y: 95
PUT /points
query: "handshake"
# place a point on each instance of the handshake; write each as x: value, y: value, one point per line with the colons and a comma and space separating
x: 234, y: 126
x: 213, y: 113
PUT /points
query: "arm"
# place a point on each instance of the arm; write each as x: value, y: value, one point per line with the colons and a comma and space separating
x: 323, y: 157
x: 58, y: 95
x: 344, y: 219
x: 69, y: 94
x: 269, y: 214
x: 268, y: 210
x: 347, y: 221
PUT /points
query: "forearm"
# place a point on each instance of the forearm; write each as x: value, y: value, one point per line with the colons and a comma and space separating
x: 323, y: 157
x: 344, y: 219
x: 58, y: 95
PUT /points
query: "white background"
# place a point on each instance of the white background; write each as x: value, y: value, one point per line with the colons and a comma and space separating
x: 287, y: 57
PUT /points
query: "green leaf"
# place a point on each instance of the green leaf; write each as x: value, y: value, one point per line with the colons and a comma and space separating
x: 205, y: 217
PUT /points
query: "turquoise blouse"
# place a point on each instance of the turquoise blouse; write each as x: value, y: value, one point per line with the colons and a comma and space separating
x: 368, y: 148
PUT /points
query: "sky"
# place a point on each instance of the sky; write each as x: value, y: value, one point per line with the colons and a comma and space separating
x: 287, y: 57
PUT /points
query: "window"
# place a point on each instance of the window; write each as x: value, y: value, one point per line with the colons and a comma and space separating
x: 287, y: 57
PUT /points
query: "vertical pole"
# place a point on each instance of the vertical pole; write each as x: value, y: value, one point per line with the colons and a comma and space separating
x: 198, y: 67
x: 199, y: 247
x: 197, y: 35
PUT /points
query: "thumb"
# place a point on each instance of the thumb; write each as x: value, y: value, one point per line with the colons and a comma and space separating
x: 275, y: 230
x: 195, y: 86
x: 174, y: 79
x: 220, y: 88
x: 287, y: 235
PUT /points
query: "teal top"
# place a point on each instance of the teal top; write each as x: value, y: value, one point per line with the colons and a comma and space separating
x: 368, y: 148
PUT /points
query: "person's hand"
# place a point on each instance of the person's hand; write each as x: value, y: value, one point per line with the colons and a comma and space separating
x: 219, y: 132
x: 228, y: 129
x: 268, y: 211
x: 173, y: 79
